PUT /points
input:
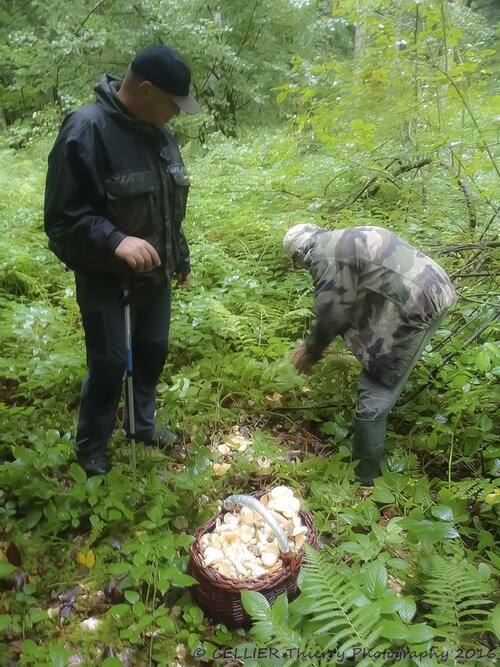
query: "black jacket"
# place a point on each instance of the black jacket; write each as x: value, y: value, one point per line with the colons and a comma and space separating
x: 112, y: 175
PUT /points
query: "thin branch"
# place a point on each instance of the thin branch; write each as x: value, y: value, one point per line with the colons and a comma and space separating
x: 469, y: 110
x: 450, y: 355
x: 94, y: 9
x: 248, y: 28
x: 473, y: 275
x: 489, y: 223
x: 471, y: 204
x: 466, y: 246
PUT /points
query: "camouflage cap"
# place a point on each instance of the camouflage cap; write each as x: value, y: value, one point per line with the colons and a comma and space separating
x: 297, y: 236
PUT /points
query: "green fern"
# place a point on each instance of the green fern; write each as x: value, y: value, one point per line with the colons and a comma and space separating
x: 227, y: 324
x: 331, y: 620
x: 475, y: 488
x: 97, y: 528
x: 335, y: 602
x: 458, y: 598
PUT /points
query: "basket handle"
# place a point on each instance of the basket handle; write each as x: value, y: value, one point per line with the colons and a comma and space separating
x: 252, y: 503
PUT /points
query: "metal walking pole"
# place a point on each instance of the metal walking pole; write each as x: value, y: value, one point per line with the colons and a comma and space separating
x: 130, y: 379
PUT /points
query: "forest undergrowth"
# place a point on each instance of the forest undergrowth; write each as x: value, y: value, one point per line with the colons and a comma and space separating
x: 93, y: 572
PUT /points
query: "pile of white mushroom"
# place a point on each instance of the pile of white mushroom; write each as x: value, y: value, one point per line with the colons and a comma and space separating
x: 243, y: 546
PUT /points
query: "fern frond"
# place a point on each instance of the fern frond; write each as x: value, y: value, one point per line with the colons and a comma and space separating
x: 474, y: 488
x: 221, y: 321
x: 459, y: 600
x: 97, y: 528
x: 335, y: 608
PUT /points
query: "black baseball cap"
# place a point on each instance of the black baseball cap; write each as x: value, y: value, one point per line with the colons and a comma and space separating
x: 168, y: 70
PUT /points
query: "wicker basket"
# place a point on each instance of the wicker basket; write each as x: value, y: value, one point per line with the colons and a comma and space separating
x: 220, y: 597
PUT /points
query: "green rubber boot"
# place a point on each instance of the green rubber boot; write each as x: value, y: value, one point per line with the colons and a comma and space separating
x: 368, y: 448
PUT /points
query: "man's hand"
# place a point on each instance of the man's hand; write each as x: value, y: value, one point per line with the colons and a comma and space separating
x: 183, y: 280
x: 301, y: 359
x: 138, y: 253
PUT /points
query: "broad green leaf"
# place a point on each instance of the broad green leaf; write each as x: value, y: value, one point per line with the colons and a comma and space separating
x: 442, y: 512
x: 29, y: 646
x: 181, y: 579
x: 59, y: 656
x: 6, y: 569
x: 138, y: 609
x: 78, y: 473
x: 422, y: 493
x: 5, y: 621
x: 31, y: 520
x: 460, y: 381
x: 280, y: 608
x: 112, y: 662
x: 376, y: 579
x: 155, y: 513
x: 118, y: 609
x: 382, y: 494
x: 419, y: 633
x: 166, y: 623
x: 407, y: 610
x: 394, y: 630
x: 132, y: 596
x: 485, y: 424
x: 483, y: 361
x: 255, y: 604
x: 495, y: 620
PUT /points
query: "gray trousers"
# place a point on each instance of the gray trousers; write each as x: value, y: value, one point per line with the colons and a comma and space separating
x: 375, y: 400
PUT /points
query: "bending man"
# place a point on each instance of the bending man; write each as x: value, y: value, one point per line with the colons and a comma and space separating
x: 386, y: 299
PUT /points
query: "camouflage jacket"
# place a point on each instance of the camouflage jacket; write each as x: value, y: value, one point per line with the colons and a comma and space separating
x: 378, y: 293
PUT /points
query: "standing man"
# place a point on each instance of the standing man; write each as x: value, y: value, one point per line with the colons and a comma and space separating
x: 386, y: 299
x: 115, y: 199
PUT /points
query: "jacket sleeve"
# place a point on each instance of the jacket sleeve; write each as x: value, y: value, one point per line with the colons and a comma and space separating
x: 334, y: 299
x: 73, y: 195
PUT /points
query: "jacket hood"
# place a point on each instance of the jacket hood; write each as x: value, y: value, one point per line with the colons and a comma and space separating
x: 106, y: 96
